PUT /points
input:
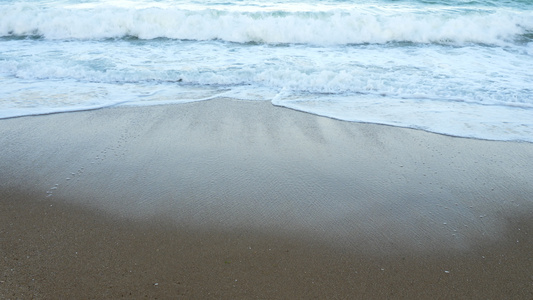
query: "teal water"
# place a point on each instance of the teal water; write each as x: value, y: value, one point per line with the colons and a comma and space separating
x: 461, y: 68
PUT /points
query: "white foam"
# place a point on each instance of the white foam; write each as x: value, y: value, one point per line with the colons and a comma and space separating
x: 348, y: 25
x: 45, y: 97
x: 446, y: 117
x: 479, y: 69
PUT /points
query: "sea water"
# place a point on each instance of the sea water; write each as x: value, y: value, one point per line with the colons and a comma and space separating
x: 456, y: 67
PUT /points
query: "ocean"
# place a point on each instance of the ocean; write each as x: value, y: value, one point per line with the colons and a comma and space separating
x: 458, y: 67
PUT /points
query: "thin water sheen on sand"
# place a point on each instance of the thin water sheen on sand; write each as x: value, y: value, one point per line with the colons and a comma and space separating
x: 228, y: 164
x: 231, y: 199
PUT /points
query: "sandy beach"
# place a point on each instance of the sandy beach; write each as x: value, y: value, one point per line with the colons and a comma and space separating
x: 230, y: 199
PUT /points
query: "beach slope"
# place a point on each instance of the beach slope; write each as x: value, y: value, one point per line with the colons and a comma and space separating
x: 235, y: 199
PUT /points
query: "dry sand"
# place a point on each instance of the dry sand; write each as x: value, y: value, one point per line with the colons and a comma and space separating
x: 233, y: 199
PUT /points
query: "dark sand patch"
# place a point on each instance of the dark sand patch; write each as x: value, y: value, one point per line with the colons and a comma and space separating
x: 52, y: 250
x: 230, y: 199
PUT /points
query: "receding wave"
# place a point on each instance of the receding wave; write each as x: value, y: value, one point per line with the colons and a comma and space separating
x: 341, y: 26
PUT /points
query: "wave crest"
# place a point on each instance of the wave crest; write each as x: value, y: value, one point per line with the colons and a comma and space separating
x: 271, y: 27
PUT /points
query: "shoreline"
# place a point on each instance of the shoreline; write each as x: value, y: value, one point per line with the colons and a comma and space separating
x: 330, y: 198
x: 123, y: 105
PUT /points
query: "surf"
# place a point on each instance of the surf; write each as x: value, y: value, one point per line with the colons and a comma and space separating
x: 330, y: 26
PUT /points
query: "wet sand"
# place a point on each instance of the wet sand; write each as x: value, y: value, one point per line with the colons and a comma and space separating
x: 232, y: 199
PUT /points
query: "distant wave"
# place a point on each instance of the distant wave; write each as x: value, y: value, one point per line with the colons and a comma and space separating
x: 341, y: 26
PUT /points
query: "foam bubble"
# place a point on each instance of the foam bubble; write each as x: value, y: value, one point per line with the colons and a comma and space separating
x: 330, y: 26
x: 357, y: 62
